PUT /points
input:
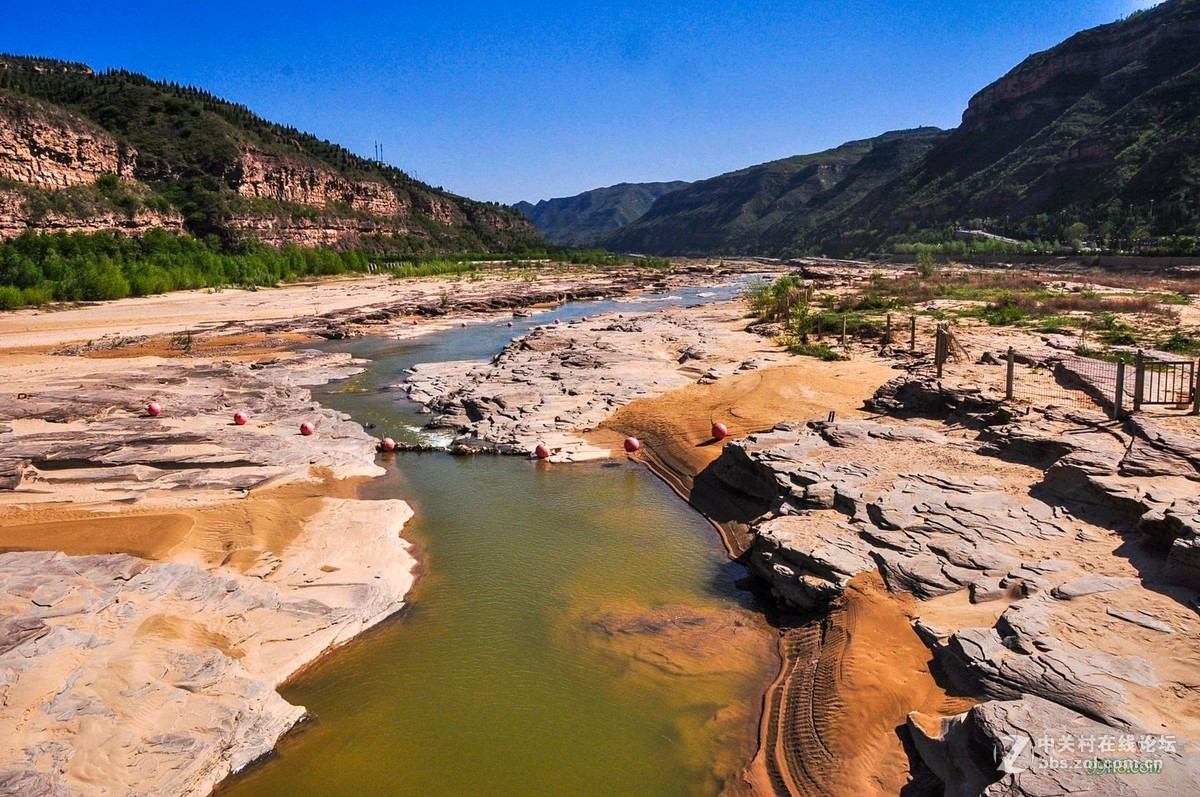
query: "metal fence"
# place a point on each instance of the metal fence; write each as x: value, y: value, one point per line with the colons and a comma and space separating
x: 1115, y: 386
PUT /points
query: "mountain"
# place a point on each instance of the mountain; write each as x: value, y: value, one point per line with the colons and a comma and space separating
x: 119, y: 151
x: 1100, y: 133
x: 1107, y: 119
x: 585, y: 219
x: 767, y: 208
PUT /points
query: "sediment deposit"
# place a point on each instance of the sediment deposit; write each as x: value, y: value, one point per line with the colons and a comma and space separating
x: 162, y: 576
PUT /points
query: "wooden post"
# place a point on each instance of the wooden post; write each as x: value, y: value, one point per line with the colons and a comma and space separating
x: 820, y: 327
x: 843, y: 330
x: 939, y: 349
x: 1119, y: 398
x: 887, y: 335
x: 912, y: 333
x: 1008, y: 382
x: 1139, y: 380
x: 1196, y: 389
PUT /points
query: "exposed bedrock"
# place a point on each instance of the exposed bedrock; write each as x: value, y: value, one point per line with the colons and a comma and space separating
x: 965, y: 751
x: 1081, y: 533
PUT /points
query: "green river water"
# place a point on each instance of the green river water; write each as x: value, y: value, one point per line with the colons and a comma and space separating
x: 527, y: 662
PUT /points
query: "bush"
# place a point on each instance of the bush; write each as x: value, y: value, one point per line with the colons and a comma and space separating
x: 11, y: 298
x: 818, y: 350
x: 1005, y: 312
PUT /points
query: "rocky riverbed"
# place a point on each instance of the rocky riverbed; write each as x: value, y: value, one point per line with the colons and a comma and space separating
x: 162, y: 576
x: 958, y: 570
x: 562, y: 380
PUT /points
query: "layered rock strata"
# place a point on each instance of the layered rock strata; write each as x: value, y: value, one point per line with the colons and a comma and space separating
x: 198, y: 565
x: 1008, y: 547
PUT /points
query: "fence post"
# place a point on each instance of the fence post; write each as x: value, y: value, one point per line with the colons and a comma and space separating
x: 843, y: 330
x: 887, y: 335
x: 939, y: 349
x: 912, y: 333
x: 1008, y: 382
x: 1196, y: 389
x: 1139, y: 380
x: 1119, y: 398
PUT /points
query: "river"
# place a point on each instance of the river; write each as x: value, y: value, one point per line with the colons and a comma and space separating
x: 576, y: 629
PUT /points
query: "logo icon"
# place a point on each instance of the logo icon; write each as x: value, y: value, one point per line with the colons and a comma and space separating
x: 1013, y: 747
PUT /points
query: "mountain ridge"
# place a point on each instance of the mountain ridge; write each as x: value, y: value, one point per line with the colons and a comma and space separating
x: 586, y: 218
x: 1098, y: 136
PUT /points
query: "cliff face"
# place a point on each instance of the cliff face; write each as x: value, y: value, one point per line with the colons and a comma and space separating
x: 48, y: 149
x: 17, y: 216
x: 259, y: 175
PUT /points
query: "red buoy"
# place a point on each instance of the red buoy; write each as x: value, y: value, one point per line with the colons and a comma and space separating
x: 556, y: 321
x: 510, y: 323
x: 307, y: 428
x: 632, y: 444
x: 152, y: 409
x: 719, y: 432
x: 414, y: 322
x: 583, y: 319
x: 240, y: 418
x: 388, y: 444
x: 464, y: 325
x: 541, y: 452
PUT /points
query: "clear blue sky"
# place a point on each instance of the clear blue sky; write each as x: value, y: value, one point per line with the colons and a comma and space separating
x: 510, y: 101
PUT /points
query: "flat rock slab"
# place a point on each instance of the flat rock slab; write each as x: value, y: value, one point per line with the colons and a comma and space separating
x: 1138, y: 618
x: 1090, y: 585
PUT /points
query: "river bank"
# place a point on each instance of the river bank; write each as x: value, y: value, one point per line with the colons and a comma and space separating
x: 942, y: 566
x: 939, y: 564
x: 162, y: 576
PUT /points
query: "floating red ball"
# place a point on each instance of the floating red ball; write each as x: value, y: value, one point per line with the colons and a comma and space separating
x: 541, y: 452
x: 307, y: 428
x: 632, y: 444
x: 240, y: 418
x: 388, y: 444
x: 152, y: 409
x: 719, y: 432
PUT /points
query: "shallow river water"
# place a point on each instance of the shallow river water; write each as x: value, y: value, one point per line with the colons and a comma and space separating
x: 575, y: 630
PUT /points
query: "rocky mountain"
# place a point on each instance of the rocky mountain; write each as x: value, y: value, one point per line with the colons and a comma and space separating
x: 1102, y: 130
x: 586, y: 219
x: 116, y: 150
x: 766, y: 208
x: 1107, y: 119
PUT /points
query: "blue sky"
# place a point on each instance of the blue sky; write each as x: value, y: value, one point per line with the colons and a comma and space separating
x: 521, y: 100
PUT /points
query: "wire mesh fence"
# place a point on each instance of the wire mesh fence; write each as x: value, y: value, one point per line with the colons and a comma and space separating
x: 1115, y: 384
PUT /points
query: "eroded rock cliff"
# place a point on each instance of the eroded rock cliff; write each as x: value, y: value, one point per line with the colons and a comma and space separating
x: 43, y: 147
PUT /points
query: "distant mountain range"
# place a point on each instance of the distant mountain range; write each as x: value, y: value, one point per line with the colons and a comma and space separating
x: 588, y: 218
x: 81, y: 151
x: 767, y: 207
x: 1099, y: 134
